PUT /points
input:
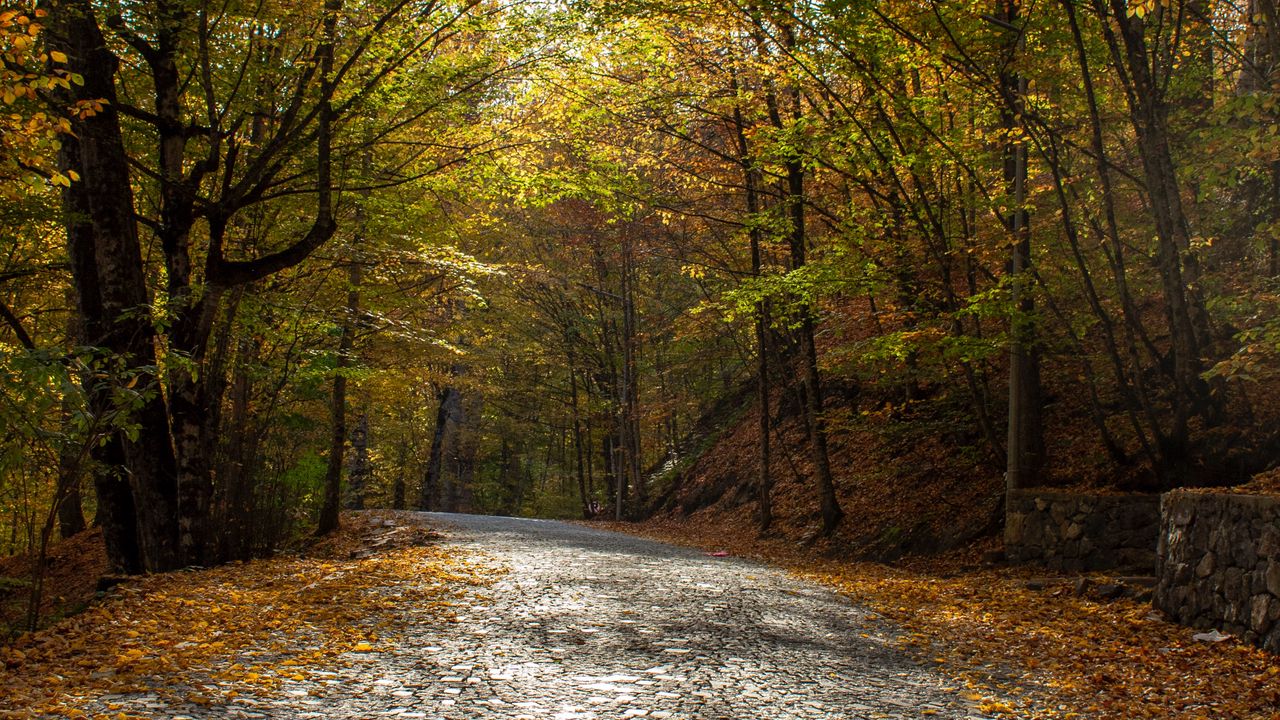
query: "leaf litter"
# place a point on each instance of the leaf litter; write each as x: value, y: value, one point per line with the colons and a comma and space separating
x: 1018, y: 652
x: 205, y: 636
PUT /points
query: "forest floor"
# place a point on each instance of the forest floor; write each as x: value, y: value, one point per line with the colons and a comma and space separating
x: 207, y: 642
x: 505, y: 618
x: 499, y: 618
x: 1049, y: 647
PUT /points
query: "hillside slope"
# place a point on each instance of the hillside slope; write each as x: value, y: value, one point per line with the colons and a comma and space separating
x: 908, y: 485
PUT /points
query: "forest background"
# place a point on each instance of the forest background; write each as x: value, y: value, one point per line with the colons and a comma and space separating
x: 261, y: 260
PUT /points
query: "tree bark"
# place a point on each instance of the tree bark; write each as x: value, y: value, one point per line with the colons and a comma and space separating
x: 630, y: 395
x: 111, y: 289
x: 1025, y: 445
x: 329, y: 512
x: 829, y: 505
x: 580, y: 457
x: 429, y: 496
x: 1175, y: 259
x: 70, y: 465
x: 360, y: 472
x: 751, y: 181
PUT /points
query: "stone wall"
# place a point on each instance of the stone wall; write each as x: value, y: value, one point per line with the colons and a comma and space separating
x: 1220, y: 564
x: 1074, y: 532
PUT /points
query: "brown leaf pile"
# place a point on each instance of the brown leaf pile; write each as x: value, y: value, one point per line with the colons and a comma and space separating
x: 262, y: 624
x: 1045, y: 653
x: 74, y: 566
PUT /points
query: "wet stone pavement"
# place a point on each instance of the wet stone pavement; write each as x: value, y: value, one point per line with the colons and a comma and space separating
x: 589, y: 624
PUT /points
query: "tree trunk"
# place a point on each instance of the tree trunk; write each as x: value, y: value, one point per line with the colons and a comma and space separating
x: 751, y: 185
x: 234, y: 468
x: 1025, y: 446
x: 70, y: 465
x: 360, y: 472
x: 630, y: 396
x: 793, y: 200
x: 829, y: 505
x: 111, y: 289
x: 1138, y: 398
x: 1175, y: 260
x: 70, y: 476
x: 580, y: 456
x: 324, y: 183
x: 429, y: 496
x: 337, y: 439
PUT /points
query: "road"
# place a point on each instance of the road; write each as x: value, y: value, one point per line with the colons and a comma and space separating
x: 588, y: 624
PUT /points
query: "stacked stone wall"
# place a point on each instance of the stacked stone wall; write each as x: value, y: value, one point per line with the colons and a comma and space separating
x: 1219, y: 564
x: 1075, y: 532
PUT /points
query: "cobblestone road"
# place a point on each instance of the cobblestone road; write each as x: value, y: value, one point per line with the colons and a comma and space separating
x: 596, y: 625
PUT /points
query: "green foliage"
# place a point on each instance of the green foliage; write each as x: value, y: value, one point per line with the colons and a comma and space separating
x: 45, y: 405
x: 551, y: 210
x: 1257, y: 356
x: 305, y: 477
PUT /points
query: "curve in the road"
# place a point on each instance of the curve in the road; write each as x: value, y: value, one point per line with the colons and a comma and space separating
x: 587, y: 624
x: 594, y: 624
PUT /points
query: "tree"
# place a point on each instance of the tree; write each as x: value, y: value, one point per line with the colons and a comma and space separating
x: 267, y: 134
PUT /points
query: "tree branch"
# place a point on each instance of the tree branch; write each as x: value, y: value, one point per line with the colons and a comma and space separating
x: 16, y: 325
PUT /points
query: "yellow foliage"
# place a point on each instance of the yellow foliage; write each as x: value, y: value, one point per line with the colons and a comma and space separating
x: 1044, y: 654
x: 292, y: 613
x: 29, y: 136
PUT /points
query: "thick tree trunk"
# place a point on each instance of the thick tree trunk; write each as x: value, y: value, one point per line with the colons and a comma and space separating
x: 116, y: 515
x: 71, y: 508
x: 70, y: 458
x: 194, y: 421
x: 235, y: 469
x: 111, y: 287
x: 329, y: 518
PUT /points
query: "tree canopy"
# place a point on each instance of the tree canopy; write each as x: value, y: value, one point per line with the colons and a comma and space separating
x: 261, y: 260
